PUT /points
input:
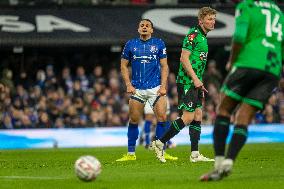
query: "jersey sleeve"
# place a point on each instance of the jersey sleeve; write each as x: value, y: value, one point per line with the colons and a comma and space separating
x: 162, y: 50
x: 189, y: 42
x: 242, y: 23
x: 126, y: 51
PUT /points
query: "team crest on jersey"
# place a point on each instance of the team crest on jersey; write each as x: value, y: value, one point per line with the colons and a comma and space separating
x: 191, y: 36
x: 153, y: 49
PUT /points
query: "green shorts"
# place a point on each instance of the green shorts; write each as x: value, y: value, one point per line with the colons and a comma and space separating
x: 251, y: 86
x: 189, y: 99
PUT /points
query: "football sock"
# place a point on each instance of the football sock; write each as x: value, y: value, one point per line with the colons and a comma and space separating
x: 220, y: 134
x: 132, y: 135
x: 147, y: 130
x: 194, y: 133
x: 168, y: 124
x: 160, y: 130
x: 175, y: 128
x: 237, y: 141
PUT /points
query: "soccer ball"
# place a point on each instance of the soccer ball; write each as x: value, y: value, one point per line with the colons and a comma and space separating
x: 87, y: 168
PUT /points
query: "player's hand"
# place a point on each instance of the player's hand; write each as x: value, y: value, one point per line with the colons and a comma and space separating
x: 130, y: 89
x: 199, y: 84
x: 204, y: 90
x: 162, y: 91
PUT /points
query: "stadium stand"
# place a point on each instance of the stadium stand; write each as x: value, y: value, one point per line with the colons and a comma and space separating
x: 50, y: 86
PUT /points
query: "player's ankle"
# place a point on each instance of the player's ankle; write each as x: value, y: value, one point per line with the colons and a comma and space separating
x: 195, y: 153
x: 218, y: 162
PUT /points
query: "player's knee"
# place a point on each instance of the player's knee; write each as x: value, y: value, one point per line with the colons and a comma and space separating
x: 134, y: 119
x: 223, y: 111
x: 187, y: 117
x: 198, y: 114
x: 242, y: 118
x: 244, y: 115
x: 149, y: 117
x: 227, y: 106
x: 162, y: 118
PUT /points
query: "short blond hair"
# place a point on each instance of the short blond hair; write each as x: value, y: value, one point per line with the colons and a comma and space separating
x: 206, y: 11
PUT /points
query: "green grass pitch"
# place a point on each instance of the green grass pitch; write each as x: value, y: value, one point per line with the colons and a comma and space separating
x: 258, y: 166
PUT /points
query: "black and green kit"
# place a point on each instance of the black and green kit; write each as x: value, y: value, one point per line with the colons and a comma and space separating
x: 256, y: 70
x: 195, y: 41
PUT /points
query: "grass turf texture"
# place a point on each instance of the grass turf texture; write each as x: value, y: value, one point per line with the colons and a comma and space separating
x: 258, y: 166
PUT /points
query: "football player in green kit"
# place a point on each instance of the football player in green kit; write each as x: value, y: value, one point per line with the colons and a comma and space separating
x: 190, y: 87
x: 256, y: 61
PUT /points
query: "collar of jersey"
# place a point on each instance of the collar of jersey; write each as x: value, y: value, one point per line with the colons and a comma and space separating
x: 201, y: 30
x: 145, y: 41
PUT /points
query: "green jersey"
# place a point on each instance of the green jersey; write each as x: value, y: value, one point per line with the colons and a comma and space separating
x: 195, y: 42
x: 259, y: 28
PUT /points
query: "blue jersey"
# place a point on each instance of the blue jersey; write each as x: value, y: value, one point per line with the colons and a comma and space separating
x: 144, y: 57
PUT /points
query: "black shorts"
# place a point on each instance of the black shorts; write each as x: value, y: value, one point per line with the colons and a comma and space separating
x: 189, y: 100
x: 250, y: 86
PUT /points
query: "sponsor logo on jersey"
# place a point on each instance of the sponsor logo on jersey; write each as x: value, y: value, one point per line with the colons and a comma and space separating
x: 145, y: 59
x: 203, y: 56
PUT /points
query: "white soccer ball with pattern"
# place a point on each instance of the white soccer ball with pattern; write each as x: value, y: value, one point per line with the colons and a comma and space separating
x: 87, y: 168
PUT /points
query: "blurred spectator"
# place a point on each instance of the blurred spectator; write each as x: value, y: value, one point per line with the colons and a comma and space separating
x: 51, y: 81
x: 66, y: 80
x: 212, y: 75
x: 281, y: 112
x: 268, y: 113
x: 44, y: 121
x: 59, y: 123
x: 97, y: 76
x: 209, y: 113
x: 6, y: 121
x: 23, y: 80
x: 40, y: 79
x: 80, y: 76
x: 77, y: 89
x: 7, y: 79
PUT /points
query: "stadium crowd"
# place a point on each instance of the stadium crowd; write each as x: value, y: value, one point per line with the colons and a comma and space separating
x: 94, y: 96
x: 117, y: 2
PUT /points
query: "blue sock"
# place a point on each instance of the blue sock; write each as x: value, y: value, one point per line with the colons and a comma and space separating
x: 168, y: 124
x: 160, y: 130
x: 132, y: 135
x: 147, y: 129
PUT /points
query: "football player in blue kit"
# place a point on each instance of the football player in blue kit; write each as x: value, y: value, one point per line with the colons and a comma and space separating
x: 148, y: 58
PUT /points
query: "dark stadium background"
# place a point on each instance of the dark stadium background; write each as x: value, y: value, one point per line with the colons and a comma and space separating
x: 25, y: 56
